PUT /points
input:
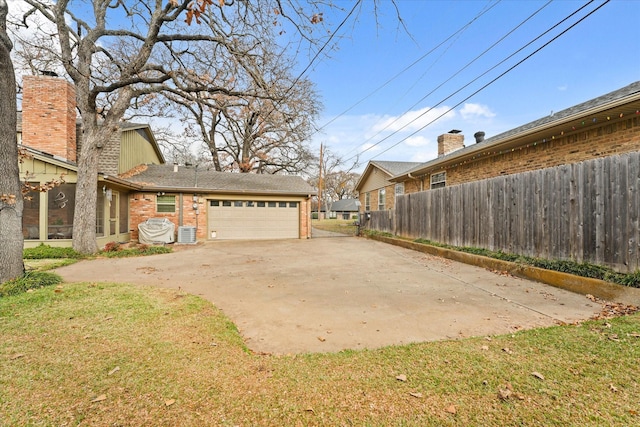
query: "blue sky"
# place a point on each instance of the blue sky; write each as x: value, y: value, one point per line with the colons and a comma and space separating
x: 598, y: 55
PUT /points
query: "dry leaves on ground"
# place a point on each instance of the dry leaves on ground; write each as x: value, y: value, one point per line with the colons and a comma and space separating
x: 612, y: 309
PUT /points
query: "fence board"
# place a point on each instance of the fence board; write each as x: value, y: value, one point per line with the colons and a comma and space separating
x: 587, y: 211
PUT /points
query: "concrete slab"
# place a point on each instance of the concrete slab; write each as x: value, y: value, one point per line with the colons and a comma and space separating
x: 330, y: 294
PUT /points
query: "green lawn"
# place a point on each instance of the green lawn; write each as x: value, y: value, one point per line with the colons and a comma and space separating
x: 336, y: 225
x: 106, y: 355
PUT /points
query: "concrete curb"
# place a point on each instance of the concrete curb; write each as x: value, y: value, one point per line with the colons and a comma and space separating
x: 582, y: 285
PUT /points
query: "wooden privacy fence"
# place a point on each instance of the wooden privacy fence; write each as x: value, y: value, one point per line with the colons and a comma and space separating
x: 586, y: 211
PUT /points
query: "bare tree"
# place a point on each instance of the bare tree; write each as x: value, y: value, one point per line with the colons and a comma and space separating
x: 11, y: 202
x: 265, y: 129
x: 108, y: 49
x: 341, y: 184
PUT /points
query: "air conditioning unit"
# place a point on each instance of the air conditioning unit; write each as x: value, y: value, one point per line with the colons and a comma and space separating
x: 186, y: 234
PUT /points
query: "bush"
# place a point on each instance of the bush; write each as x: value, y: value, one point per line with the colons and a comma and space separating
x: 112, y: 247
x: 140, y: 250
x: 30, y: 280
x: 47, y: 252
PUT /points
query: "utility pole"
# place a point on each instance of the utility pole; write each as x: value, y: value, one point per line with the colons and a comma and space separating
x: 320, y: 183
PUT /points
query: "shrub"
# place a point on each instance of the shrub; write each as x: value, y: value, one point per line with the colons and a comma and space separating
x: 43, y: 251
x: 30, y: 280
x: 137, y: 251
x: 153, y: 250
x: 112, y: 247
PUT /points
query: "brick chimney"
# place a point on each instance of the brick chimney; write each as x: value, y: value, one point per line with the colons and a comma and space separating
x: 49, y: 116
x: 450, y: 142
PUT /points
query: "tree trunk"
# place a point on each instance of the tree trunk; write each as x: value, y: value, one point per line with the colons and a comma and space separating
x: 11, y: 201
x: 84, y: 215
x: 213, y: 148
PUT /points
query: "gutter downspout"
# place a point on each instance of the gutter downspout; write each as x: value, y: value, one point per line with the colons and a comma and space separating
x: 415, y: 178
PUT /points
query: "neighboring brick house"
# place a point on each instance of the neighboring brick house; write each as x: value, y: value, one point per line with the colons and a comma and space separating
x: 135, y: 185
x: 376, y: 191
x: 601, y: 127
x: 345, y: 209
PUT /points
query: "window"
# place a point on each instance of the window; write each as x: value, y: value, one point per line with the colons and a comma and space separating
x: 367, y: 201
x: 31, y: 214
x: 261, y: 204
x: 438, y: 180
x: 381, y: 198
x: 226, y: 203
x: 214, y: 203
x: 60, y: 204
x: 293, y: 204
x: 282, y: 204
x: 399, y: 188
x: 237, y: 203
x: 272, y: 204
x: 124, y: 213
x: 251, y: 204
x: 166, y: 204
x: 100, y: 213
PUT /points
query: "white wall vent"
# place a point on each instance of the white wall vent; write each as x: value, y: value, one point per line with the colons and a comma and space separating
x: 186, y: 234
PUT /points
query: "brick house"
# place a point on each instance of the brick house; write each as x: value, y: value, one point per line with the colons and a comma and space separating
x: 345, y: 209
x: 375, y: 190
x: 50, y: 133
x: 134, y: 184
x: 561, y: 187
x: 220, y: 205
x: 601, y: 127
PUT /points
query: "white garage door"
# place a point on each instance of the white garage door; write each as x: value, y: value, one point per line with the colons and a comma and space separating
x: 251, y: 219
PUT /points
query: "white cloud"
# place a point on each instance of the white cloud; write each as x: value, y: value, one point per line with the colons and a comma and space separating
x: 369, y: 147
x: 417, y: 141
x: 563, y: 88
x: 472, y: 111
x: 414, y: 120
x: 423, y: 156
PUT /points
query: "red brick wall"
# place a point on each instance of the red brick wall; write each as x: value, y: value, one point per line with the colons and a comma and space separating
x: 305, y: 219
x: 622, y: 136
x: 142, y: 206
x: 49, y: 116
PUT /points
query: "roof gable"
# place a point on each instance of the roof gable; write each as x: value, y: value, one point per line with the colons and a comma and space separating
x: 389, y: 168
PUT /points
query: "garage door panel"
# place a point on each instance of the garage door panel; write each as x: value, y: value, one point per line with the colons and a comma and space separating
x: 254, y: 220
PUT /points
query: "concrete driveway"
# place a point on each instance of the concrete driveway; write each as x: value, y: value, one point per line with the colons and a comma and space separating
x: 329, y: 294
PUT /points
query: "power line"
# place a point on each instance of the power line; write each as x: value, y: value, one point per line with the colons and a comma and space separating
x: 496, y: 78
x: 417, y: 61
x: 451, y: 77
x: 471, y: 82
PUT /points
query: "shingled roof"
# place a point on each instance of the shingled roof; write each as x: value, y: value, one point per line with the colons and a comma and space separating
x: 389, y: 167
x: 345, y: 205
x: 190, y: 178
x: 395, y: 168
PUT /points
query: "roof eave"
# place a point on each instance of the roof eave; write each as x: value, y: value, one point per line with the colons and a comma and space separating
x: 161, y: 188
x: 513, y: 139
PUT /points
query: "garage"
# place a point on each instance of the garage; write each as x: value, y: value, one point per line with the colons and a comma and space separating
x: 220, y: 205
x: 253, y: 219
